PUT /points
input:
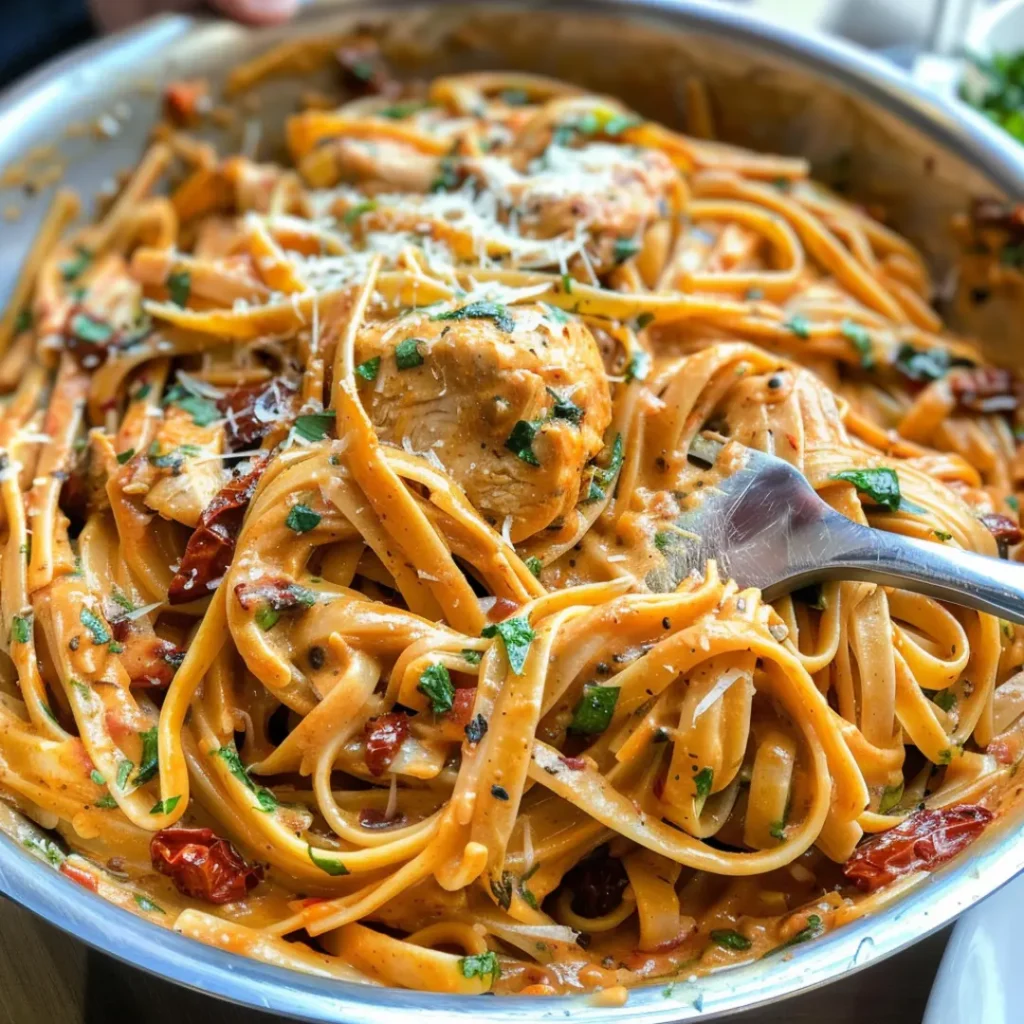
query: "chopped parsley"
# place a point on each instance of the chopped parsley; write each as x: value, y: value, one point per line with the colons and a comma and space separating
x: 302, y: 519
x: 72, y: 269
x: 267, y: 617
x: 47, y: 847
x: 945, y: 699
x: 179, y: 287
x: 87, y: 328
x: 565, y: 409
x: 624, y: 249
x: 558, y: 315
x: 861, y: 342
x: 105, y: 803
x: 593, y: 713
x: 603, y: 478
x: 664, y: 540
x: 150, y: 762
x: 326, y: 863
x: 124, y: 771
x: 702, y: 783
x: 482, y: 310
x: 95, y: 625
x: 97, y: 777
x: 21, y: 628
x: 534, y: 564
x: 799, y: 325
x: 165, y: 806
x: 369, y: 369
x: 502, y: 889
x: 125, y: 456
x: 146, y: 904
x: 314, y: 426
x: 567, y: 283
x: 639, y: 366
x: 643, y: 320
x: 407, y: 353
x: 517, y: 636
x: 23, y: 321
x: 480, y: 965
x: 264, y: 797
x: 811, y: 930
x: 202, y: 410
x: 922, y: 365
x: 520, y: 441
x: 891, y: 797
x: 942, y: 535
x: 730, y: 939
x: 436, y: 685
x: 473, y: 657
x: 366, y: 206
x: 172, y: 460
x: 777, y: 829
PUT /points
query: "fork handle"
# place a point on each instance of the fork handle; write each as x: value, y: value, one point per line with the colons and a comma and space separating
x: 857, y: 552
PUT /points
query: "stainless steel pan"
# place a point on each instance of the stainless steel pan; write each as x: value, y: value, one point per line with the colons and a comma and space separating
x: 865, y: 126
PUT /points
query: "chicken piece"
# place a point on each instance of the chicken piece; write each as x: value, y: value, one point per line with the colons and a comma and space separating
x: 609, y: 192
x: 512, y: 400
x: 177, y: 475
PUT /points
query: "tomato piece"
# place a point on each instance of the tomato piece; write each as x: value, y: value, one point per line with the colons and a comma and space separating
x: 276, y: 592
x: 185, y: 100
x: 502, y: 608
x: 983, y: 389
x: 254, y: 410
x: 922, y: 841
x: 384, y: 734
x: 86, y: 879
x: 202, y: 864
x: 211, y: 547
x: 577, y: 764
x: 1003, y: 528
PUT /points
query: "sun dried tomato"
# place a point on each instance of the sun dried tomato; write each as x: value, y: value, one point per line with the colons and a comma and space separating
x: 211, y: 547
x: 924, y: 840
x: 371, y: 817
x: 995, y: 214
x: 148, y: 659
x: 596, y: 884
x: 384, y: 734
x: 203, y: 865
x: 86, y: 879
x: 502, y: 608
x: 254, y: 410
x: 461, y: 710
x: 1003, y: 528
x: 185, y: 100
x: 983, y: 389
x: 574, y: 764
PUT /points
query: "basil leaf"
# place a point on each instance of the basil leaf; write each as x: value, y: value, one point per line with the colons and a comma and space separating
x: 603, y: 478
x: 520, y: 441
x: 593, y: 713
x: 564, y: 409
x: 125, y: 456
x: 517, y: 636
x: 407, y: 353
x: 95, y: 625
x: 314, y: 426
x: 436, y: 685
x: 702, y: 783
x: 302, y: 519
x: 21, y: 628
x: 202, y: 410
x: 150, y: 762
x: 369, y: 369
x: 124, y: 770
x: 480, y: 965
x: 265, y: 798
x: 881, y: 485
x: 482, y: 310
x: 326, y: 863
x: 502, y: 889
x: 179, y: 287
x: 730, y: 939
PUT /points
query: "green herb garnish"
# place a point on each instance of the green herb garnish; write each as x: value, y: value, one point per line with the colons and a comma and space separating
x: 480, y: 965
x: 624, y: 249
x: 302, y: 519
x: 179, y: 287
x: 593, y: 713
x: 165, y: 806
x: 366, y: 206
x: 21, y: 628
x: 730, y: 939
x: 517, y: 636
x: 436, y: 685
x: 565, y: 409
x: 326, y: 863
x: 799, y: 325
x: 314, y: 426
x: 407, y: 353
x: 481, y: 310
x: 150, y: 762
x: 861, y: 342
x: 702, y: 783
x: 95, y: 625
x: 891, y: 797
x: 264, y: 797
x: 369, y: 369
x: 520, y: 441
x: 125, y: 456
x: 881, y: 485
x: 534, y: 564
x: 146, y: 904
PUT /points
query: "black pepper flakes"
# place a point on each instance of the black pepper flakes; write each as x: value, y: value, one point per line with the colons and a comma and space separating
x: 499, y: 792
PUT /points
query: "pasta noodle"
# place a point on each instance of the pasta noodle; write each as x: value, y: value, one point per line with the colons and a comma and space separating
x: 336, y: 498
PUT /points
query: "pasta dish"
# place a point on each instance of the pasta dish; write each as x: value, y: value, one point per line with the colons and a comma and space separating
x: 334, y: 491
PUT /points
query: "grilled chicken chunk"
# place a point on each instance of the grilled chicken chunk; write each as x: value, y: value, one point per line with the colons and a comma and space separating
x: 512, y: 400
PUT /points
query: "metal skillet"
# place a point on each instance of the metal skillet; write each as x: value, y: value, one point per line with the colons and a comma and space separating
x: 774, y: 89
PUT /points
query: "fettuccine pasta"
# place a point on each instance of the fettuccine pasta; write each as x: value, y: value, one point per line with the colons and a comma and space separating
x: 332, y: 496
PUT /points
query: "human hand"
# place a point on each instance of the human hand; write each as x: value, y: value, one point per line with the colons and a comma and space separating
x: 115, y: 14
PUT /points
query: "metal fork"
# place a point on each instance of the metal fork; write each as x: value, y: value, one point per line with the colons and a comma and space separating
x: 767, y: 528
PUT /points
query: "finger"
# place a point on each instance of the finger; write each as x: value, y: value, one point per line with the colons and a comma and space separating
x: 258, y: 12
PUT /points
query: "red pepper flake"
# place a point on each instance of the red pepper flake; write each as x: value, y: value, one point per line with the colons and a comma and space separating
x: 202, y: 864
x: 211, y: 547
x: 1003, y: 528
x: 924, y: 840
x: 86, y: 879
x: 254, y: 410
x: 384, y: 737
x: 574, y: 764
x: 278, y: 592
